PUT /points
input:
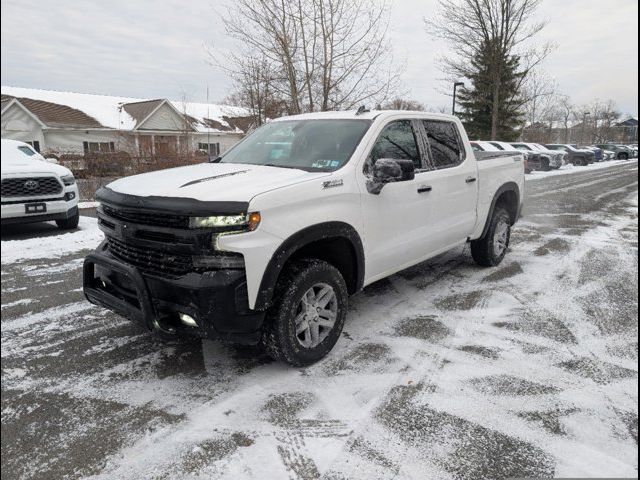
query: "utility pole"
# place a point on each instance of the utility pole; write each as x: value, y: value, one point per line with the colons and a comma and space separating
x: 455, y: 89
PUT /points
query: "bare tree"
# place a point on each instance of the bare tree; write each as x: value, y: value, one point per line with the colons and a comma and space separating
x: 400, y: 103
x: 498, y: 31
x: 254, y: 89
x: 539, y: 96
x: 566, y: 112
x: 319, y: 54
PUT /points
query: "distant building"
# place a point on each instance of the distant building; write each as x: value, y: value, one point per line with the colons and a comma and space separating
x: 77, y: 123
x: 623, y: 132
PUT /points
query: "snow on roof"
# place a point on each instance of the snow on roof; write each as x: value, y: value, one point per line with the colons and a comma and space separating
x: 109, y: 111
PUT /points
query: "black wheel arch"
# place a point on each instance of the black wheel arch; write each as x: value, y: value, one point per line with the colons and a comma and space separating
x: 325, y: 241
x: 506, y: 191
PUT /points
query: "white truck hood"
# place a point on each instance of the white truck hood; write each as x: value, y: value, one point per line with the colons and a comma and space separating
x: 31, y: 166
x: 212, y: 182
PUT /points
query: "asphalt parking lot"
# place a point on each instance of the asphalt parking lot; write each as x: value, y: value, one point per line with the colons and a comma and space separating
x: 443, y: 371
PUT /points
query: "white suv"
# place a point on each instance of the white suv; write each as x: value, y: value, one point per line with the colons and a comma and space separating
x: 36, y: 190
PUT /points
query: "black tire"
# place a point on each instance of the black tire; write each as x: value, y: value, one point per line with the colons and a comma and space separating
x: 484, y: 251
x: 623, y: 156
x: 70, y: 223
x: 546, y: 166
x: 279, y: 337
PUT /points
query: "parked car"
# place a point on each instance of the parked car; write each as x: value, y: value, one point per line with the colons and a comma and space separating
x: 480, y: 146
x: 533, y: 160
x: 266, y: 244
x: 621, y: 152
x: 634, y: 150
x: 609, y: 155
x: 575, y: 156
x: 36, y: 190
x: 552, y: 159
x: 598, y: 152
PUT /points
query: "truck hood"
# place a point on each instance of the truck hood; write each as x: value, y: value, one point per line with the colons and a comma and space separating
x: 212, y: 182
x: 32, y: 166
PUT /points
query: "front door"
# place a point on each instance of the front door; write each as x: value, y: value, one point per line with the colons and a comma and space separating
x: 396, y: 220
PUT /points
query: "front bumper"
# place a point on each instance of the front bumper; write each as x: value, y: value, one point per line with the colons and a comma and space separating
x: 48, y: 217
x: 217, y: 300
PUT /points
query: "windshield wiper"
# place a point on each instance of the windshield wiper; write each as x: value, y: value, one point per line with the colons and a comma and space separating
x: 278, y: 166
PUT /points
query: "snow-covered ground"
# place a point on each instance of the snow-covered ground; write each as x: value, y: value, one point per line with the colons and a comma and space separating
x: 571, y: 169
x: 87, y: 236
x: 444, y: 371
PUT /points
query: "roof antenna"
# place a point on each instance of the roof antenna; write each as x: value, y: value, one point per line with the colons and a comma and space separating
x: 362, y: 110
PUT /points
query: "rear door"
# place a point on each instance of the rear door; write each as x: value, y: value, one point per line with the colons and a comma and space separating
x: 453, y: 182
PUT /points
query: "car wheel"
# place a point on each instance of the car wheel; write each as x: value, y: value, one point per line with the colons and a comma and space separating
x: 69, y: 223
x: 623, y: 156
x: 546, y: 166
x: 490, y: 250
x: 307, y: 316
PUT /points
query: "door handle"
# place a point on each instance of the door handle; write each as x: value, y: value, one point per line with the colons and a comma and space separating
x: 471, y: 179
x: 424, y: 189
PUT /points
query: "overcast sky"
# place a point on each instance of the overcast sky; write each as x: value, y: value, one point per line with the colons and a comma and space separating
x: 157, y: 49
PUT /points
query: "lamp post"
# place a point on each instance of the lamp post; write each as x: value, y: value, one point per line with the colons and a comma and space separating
x: 455, y: 89
x: 584, y: 127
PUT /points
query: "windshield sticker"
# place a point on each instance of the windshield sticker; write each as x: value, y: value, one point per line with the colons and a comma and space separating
x: 322, y: 163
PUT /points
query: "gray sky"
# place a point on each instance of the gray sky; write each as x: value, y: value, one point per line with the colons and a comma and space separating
x: 157, y: 49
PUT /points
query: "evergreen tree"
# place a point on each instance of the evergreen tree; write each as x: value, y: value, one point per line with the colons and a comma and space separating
x: 488, y: 69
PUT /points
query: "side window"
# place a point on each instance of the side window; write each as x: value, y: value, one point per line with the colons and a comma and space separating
x: 398, y: 142
x: 444, y: 141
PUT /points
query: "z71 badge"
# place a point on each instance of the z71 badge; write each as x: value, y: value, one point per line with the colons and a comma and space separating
x: 332, y: 184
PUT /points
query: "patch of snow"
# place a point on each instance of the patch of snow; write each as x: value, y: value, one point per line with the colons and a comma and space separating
x: 86, y: 205
x: 24, y: 301
x: 108, y: 111
x: 570, y: 169
x: 87, y: 236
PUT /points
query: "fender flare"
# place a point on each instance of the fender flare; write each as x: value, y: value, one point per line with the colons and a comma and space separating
x: 507, y: 187
x: 306, y: 236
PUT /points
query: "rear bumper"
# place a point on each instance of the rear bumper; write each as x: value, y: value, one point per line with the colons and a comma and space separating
x: 216, y: 300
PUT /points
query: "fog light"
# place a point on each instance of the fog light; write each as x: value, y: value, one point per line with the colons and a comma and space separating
x: 69, y: 196
x: 187, y: 320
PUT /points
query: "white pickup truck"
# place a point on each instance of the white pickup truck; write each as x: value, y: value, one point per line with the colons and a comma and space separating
x: 265, y: 244
x: 36, y: 190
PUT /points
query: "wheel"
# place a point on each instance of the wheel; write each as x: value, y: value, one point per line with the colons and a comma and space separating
x: 69, y: 223
x: 490, y: 250
x: 306, y: 319
x: 546, y: 166
x: 623, y: 156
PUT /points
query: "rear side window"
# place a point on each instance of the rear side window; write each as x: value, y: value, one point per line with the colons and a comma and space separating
x: 27, y: 151
x: 397, y: 142
x: 445, y: 144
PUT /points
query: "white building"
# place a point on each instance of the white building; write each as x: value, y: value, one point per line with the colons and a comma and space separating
x: 77, y: 123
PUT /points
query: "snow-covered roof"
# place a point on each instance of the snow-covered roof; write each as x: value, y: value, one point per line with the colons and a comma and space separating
x: 111, y: 112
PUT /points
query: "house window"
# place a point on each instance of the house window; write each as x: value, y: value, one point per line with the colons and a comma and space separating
x: 36, y: 145
x: 210, y: 148
x: 98, y: 147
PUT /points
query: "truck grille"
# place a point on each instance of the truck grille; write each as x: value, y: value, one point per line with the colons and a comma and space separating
x: 146, y: 218
x: 151, y: 261
x: 30, y: 187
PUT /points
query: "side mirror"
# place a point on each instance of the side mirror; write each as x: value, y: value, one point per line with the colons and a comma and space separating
x: 52, y: 160
x: 387, y: 170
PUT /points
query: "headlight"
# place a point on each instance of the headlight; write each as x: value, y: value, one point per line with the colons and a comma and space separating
x: 251, y: 221
x: 68, y: 180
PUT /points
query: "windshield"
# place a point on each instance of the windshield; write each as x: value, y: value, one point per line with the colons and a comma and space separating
x: 520, y: 146
x: 310, y: 145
